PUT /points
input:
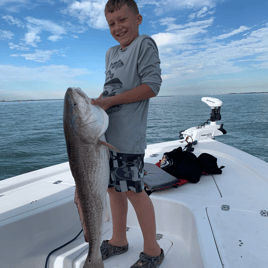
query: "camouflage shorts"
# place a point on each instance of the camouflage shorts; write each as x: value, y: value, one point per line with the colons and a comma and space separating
x: 126, y: 172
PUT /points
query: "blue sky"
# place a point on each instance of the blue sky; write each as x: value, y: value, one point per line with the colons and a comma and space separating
x: 206, y: 47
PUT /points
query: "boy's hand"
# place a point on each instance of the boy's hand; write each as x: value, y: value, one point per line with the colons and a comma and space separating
x: 139, y: 93
x: 105, y: 104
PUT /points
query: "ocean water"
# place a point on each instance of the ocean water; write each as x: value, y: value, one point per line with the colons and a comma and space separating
x: 31, y: 132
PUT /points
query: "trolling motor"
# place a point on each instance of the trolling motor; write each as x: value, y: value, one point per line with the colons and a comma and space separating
x: 206, y: 131
x: 215, y: 105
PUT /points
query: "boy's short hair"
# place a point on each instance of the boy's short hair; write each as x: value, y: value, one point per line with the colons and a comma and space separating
x: 113, y: 5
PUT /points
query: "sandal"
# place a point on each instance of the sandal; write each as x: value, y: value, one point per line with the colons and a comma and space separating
x: 108, y: 250
x: 147, y: 261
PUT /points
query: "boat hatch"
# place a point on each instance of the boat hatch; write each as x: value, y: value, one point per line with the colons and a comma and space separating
x: 75, y: 255
x: 240, y: 236
x: 32, y: 196
x: 176, y: 233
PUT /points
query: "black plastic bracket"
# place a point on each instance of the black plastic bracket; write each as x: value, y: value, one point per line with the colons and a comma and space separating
x: 215, y: 114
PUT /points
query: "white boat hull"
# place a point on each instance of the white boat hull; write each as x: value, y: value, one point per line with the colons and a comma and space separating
x: 218, y: 222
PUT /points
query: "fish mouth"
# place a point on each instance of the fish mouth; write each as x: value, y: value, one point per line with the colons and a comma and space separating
x: 101, y: 116
x: 72, y: 90
x: 83, y: 95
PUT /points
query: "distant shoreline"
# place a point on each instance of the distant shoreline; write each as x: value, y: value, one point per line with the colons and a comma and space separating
x: 32, y: 100
x: 159, y: 96
x: 248, y: 93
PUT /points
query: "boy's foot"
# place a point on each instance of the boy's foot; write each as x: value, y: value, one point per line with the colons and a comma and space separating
x: 108, y: 250
x: 147, y: 261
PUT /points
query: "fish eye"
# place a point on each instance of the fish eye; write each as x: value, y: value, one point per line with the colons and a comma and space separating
x: 75, y: 104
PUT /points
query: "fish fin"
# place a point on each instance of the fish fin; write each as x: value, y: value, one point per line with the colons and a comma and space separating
x: 109, y: 145
x: 80, y: 213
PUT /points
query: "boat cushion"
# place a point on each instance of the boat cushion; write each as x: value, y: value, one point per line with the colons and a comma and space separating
x: 156, y: 178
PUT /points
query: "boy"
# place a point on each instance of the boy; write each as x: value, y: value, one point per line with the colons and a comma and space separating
x: 133, y: 76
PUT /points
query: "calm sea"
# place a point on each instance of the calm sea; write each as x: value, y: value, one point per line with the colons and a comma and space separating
x: 31, y: 133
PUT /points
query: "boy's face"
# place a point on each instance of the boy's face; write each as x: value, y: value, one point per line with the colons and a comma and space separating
x: 124, y: 25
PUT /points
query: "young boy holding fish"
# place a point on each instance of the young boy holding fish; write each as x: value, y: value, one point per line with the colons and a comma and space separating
x: 133, y: 76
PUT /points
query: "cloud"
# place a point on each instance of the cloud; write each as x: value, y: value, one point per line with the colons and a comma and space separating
x: 180, y: 36
x: 167, y: 5
x: 201, y: 13
x: 46, y: 25
x: 34, y: 33
x: 90, y: 12
x: 38, y: 55
x: 52, y: 2
x: 15, y: 5
x: 187, y: 52
x: 36, y: 26
x: 32, y: 37
x: 13, y: 21
x: 78, y: 28
x: 49, y: 73
x: 234, y: 32
x: 39, y: 82
x: 4, y: 35
x: 4, y: 2
x: 18, y: 47
x: 171, y: 26
x: 54, y: 38
x: 179, y: 4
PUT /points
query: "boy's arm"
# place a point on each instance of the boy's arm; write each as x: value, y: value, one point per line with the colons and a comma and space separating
x: 136, y: 94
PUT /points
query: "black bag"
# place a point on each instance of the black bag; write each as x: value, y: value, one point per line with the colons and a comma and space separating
x: 208, y: 163
x: 185, y: 165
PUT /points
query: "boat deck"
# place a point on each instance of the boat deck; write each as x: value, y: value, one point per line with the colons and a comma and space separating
x: 219, y: 222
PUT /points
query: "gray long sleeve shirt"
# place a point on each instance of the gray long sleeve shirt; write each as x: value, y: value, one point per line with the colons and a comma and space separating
x: 126, y: 69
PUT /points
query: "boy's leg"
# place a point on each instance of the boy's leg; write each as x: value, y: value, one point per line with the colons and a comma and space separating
x: 145, y: 213
x: 126, y: 176
x: 119, y: 207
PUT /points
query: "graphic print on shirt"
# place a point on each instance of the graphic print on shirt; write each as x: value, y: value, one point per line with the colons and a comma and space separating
x: 116, y: 65
x: 109, y: 75
x: 111, y: 86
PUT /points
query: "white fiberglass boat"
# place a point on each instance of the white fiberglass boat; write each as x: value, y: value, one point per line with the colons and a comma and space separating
x: 221, y: 221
